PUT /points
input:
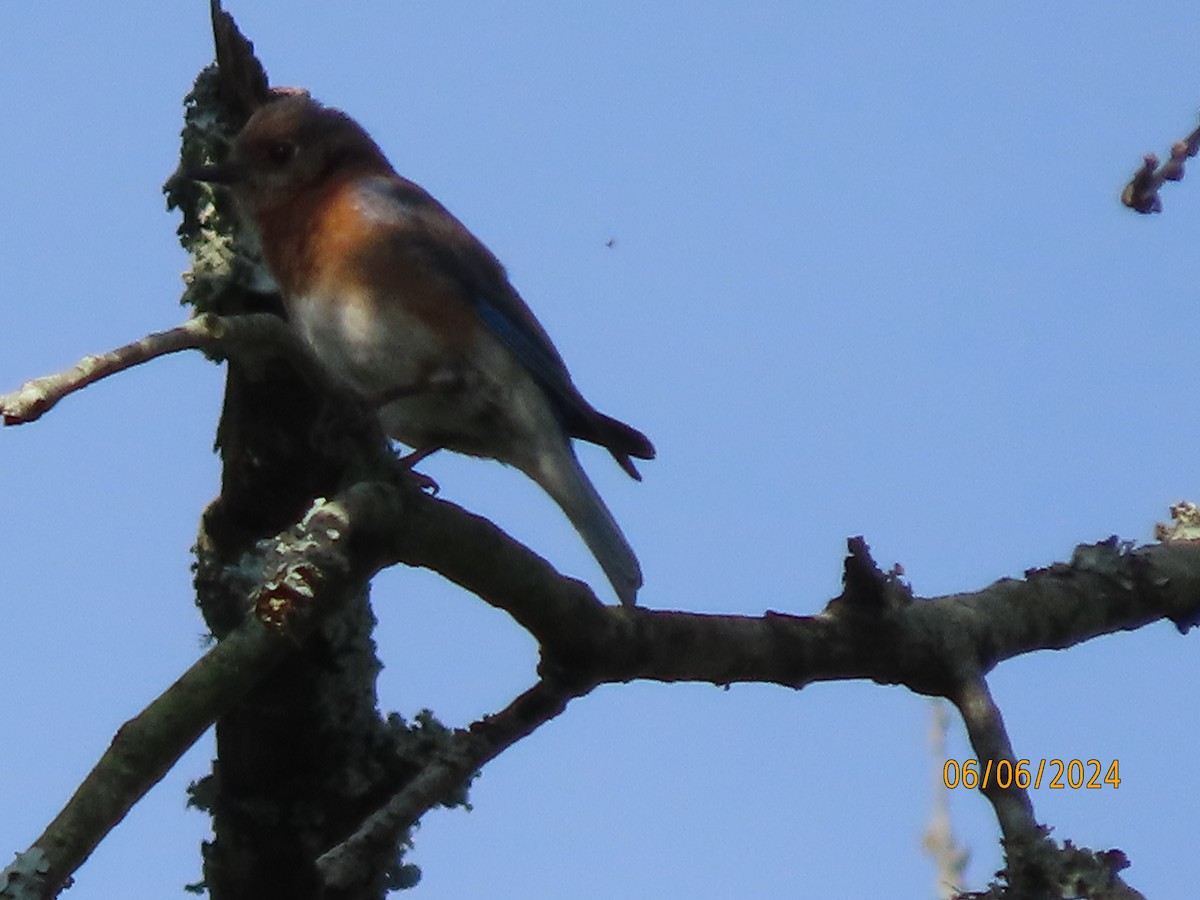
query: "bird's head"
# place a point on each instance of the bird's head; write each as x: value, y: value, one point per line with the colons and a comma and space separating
x: 289, y: 147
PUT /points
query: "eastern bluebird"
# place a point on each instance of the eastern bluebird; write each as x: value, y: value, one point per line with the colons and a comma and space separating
x: 404, y: 305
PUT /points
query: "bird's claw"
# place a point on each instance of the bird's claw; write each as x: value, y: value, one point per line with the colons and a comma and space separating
x: 424, y: 482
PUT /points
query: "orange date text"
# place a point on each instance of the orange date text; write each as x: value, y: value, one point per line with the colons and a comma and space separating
x: 1056, y: 774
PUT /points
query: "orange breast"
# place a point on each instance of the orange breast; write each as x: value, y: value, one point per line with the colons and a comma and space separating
x: 391, y: 261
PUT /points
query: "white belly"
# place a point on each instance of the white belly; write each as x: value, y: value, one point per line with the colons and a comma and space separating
x: 359, y: 346
x: 482, y: 402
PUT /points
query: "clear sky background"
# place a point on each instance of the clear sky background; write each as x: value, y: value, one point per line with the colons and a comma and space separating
x: 868, y: 275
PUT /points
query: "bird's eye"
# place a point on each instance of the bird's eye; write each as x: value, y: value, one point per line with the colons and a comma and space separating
x: 281, y: 152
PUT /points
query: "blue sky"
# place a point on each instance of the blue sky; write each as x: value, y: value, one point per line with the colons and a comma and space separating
x: 868, y: 275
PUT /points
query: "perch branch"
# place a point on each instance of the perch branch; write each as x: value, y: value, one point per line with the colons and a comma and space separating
x: 930, y: 645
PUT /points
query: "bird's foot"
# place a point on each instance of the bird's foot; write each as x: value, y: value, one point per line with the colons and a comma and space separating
x: 424, y: 482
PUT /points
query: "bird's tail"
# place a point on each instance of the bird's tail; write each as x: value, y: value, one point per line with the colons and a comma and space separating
x: 561, y: 476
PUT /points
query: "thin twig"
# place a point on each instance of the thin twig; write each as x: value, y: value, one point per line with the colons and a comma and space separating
x: 347, y: 864
x: 256, y: 333
x: 949, y: 856
x: 1141, y: 193
x: 34, y: 398
x: 989, y: 740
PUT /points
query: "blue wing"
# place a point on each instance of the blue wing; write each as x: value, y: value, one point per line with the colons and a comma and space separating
x: 448, y: 245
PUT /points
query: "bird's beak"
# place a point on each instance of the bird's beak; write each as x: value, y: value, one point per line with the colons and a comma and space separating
x: 222, y: 174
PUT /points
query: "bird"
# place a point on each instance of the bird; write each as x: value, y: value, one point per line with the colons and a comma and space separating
x: 404, y: 306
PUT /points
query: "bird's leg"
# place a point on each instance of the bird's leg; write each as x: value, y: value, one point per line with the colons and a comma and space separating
x: 408, y: 460
x: 444, y: 379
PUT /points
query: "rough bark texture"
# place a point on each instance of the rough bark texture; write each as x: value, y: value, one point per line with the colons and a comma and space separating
x: 306, y: 755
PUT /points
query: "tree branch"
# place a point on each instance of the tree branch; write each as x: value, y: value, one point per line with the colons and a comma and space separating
x: 989, y: 739
x: 250, y: 336
x: 296, y: 579
x: 1141, y: 193
x: 346, y: 865
x: 875, y: 629
x: 930, y: 645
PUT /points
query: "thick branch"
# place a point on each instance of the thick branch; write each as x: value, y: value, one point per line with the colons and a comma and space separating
x: 930, y: 645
